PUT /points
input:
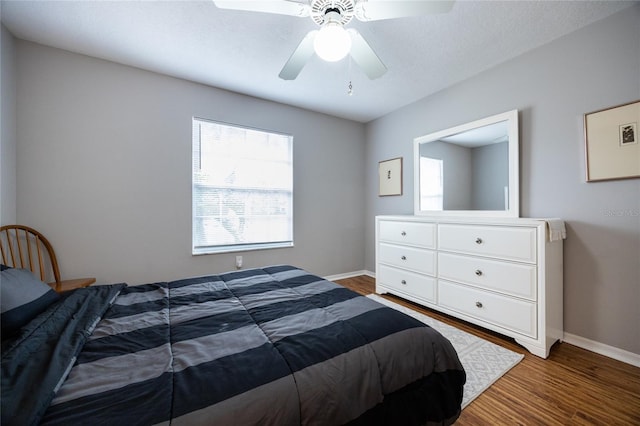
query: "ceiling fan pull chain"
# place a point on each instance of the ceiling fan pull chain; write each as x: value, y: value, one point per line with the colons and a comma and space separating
x: 350, y: 87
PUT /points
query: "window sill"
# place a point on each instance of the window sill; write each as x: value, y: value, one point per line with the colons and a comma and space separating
x: 198, y: 251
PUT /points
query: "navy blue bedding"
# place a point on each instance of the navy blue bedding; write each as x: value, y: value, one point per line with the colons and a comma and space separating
x: 274, y: 346
x: 35, y: 362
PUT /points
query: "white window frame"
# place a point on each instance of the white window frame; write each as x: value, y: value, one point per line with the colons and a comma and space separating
x: 285, y: 221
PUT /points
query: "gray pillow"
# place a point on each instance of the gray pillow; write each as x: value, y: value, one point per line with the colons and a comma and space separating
x: 22, y: 298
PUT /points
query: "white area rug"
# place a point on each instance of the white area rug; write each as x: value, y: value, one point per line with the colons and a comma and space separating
x: 483, y: 361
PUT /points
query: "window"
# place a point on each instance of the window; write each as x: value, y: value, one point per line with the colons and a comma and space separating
x: 431, y: 184
x: 242, y: 188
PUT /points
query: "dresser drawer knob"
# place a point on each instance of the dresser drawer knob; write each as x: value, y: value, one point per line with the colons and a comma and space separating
x: 479, y: 304
x: 478, y: 240
x: 478, y: 272
x: 403, y: 233
x: 403, y: 282
x: 404, y: 258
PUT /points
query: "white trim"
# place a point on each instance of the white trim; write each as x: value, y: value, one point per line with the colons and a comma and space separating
x: 349, y: 275
x: 602, y: 349
x: 513, y: 201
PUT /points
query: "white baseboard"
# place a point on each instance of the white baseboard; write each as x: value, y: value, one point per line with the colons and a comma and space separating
x: 350, y: 275
x: 602, y: 349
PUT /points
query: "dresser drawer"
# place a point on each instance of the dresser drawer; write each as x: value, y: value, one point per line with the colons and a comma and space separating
x: 516, y: 279
x: 407, y: 282
x: 514, y: 314
x: 411, y: 233
x: 419, y: 260
x: 504, y: 242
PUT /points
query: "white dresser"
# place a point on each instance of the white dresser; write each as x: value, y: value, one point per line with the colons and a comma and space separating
x: 501, y: 274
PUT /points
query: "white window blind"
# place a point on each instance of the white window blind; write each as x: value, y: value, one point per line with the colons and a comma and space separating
x: 242, y: 188
x: 431, y: 184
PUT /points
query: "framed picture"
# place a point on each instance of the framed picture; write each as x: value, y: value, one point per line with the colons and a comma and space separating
x: 390, y: 177
x: 611, y: 143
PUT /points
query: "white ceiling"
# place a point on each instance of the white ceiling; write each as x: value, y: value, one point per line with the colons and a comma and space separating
x: 245, y: 51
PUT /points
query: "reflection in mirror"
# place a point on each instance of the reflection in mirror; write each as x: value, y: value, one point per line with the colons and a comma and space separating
x: 471, y: 168
x: 477, y: 173
x: 431, y: 182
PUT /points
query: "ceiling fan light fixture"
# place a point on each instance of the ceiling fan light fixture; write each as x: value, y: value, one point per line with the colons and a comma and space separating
x: 332, y: 42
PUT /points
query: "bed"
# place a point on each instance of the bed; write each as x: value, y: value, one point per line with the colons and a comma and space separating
x: 269, y: 346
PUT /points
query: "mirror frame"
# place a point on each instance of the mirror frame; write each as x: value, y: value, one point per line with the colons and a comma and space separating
x: 511, y: 117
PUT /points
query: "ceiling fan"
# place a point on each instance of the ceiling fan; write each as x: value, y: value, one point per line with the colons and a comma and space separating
x: 332, y: 42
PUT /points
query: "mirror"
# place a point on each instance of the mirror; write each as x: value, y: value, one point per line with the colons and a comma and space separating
x: 469, y: 170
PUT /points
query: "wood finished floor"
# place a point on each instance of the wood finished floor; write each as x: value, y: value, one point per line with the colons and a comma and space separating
x: 571, y: 387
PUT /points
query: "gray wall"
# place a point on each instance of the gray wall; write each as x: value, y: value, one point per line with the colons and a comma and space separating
x: 104, y: 170
x: 553, y: 86
x: 490, y: 164
x: 8, y: 138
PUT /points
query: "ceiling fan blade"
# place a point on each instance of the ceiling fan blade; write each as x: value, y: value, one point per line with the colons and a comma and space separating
x: 364, y: 56
x: 299, y: 57
x: 280, y: 7
x: 374, y: 10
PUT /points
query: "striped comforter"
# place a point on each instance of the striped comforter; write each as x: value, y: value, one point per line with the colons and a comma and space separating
x: 270, y: 346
